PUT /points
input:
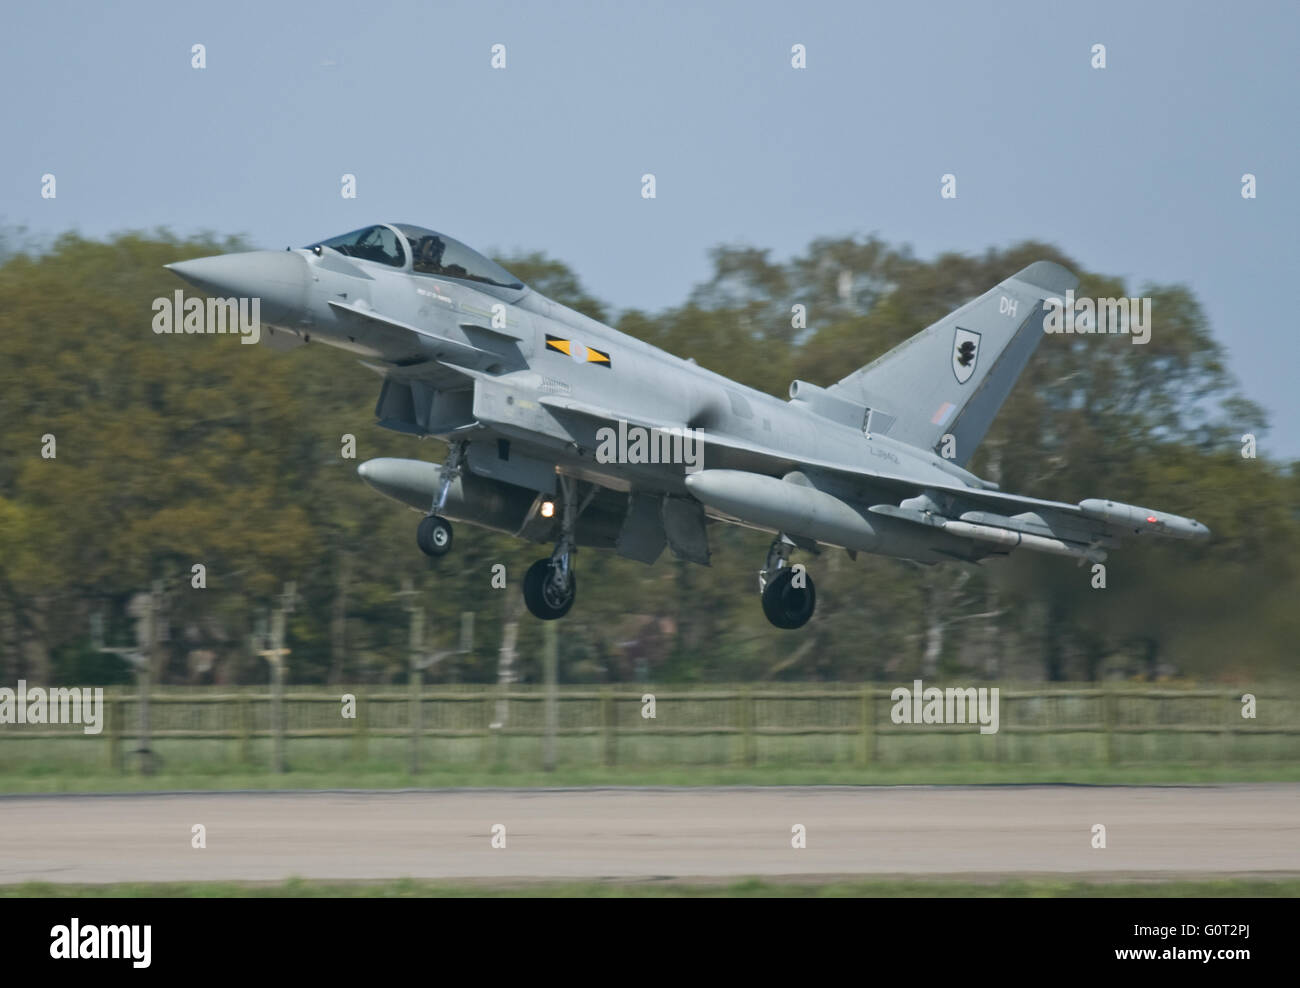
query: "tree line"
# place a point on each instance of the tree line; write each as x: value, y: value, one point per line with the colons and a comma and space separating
x: 174, y: 451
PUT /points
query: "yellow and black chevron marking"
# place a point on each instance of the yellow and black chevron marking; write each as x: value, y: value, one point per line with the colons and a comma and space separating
x: 566, y: 347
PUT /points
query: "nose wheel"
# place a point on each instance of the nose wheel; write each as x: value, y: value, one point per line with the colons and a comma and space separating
x: 788, y: 594
x: 433, y: 536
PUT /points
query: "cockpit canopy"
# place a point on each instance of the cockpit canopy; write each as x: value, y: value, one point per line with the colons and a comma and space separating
x: 371, y: 243
x: 430, y: 253
x: 436, y: 253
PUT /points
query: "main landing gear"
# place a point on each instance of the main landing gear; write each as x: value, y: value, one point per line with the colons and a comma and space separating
x: 434, y: 533
x: 550, y: 585
x: 789, y: 596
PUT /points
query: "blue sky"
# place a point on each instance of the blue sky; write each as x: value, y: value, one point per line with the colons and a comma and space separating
x: 1134, y: 170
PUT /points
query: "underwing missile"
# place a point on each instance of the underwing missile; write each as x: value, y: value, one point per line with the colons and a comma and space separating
x: 1010, y: 535
x: 1007, y: 537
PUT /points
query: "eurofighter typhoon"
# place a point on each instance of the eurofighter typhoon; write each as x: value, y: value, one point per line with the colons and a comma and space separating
x: 562, y: 430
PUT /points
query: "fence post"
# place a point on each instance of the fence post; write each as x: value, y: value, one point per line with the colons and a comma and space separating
x: 868, y: 749
x: 277, y: 716
x: 608, y: 726
x: 1109, y: 712
x: 489, y: 752
x: 275, y: 656
x: 245, y: 713
x: 359, y: 729
x: 1228, y: 723
x: 998, y: 748
x: 114, y: 715
x: 747, y: 724
x: 550, y: 662
x: 147, y: 630
x: 416, y: 684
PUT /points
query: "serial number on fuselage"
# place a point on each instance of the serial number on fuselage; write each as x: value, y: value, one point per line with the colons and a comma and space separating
x: 885, y: 454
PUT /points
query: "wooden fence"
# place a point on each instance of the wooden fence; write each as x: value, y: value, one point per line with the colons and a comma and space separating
x: 740, y: 725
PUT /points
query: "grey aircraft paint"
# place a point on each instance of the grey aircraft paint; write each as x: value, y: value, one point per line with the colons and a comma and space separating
x: 520, y: 388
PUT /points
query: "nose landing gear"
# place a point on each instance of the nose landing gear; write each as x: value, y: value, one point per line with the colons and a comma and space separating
x: 434, y: 533
x: 433, y: 536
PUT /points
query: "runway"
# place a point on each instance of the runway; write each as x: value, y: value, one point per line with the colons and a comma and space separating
x: 978, y: 831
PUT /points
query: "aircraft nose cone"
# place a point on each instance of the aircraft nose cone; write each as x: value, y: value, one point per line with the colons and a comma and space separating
x: 278, y: 278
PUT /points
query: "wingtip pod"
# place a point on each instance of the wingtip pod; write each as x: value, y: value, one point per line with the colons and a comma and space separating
x: 1143, y: 519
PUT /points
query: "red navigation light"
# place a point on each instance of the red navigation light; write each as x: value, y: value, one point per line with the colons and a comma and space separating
x: 1151, y: 519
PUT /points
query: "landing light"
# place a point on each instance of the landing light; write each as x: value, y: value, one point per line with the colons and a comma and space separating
x: 548, y: 509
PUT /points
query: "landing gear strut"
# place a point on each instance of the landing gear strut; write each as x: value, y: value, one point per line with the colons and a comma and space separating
x: 788, y: 594
x: 550, y: 585
x: 434, y: 533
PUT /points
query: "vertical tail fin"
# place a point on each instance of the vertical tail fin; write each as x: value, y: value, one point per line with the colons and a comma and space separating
x: 952, y: 378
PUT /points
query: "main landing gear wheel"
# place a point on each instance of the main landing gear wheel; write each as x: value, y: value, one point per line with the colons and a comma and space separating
x: 550, y: 585
x: 790, y: 598
x: 434, y: 536
x: 549, y: 592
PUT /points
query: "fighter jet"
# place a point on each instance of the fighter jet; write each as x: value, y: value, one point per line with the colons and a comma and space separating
x: 563, y: 430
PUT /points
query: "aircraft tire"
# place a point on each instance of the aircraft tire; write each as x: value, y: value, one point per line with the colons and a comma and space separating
x: 540, y: 595
x: 433, y: 536
x: 788, y: 606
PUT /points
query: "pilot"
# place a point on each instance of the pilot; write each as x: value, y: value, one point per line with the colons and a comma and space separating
x: 429, y: 255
